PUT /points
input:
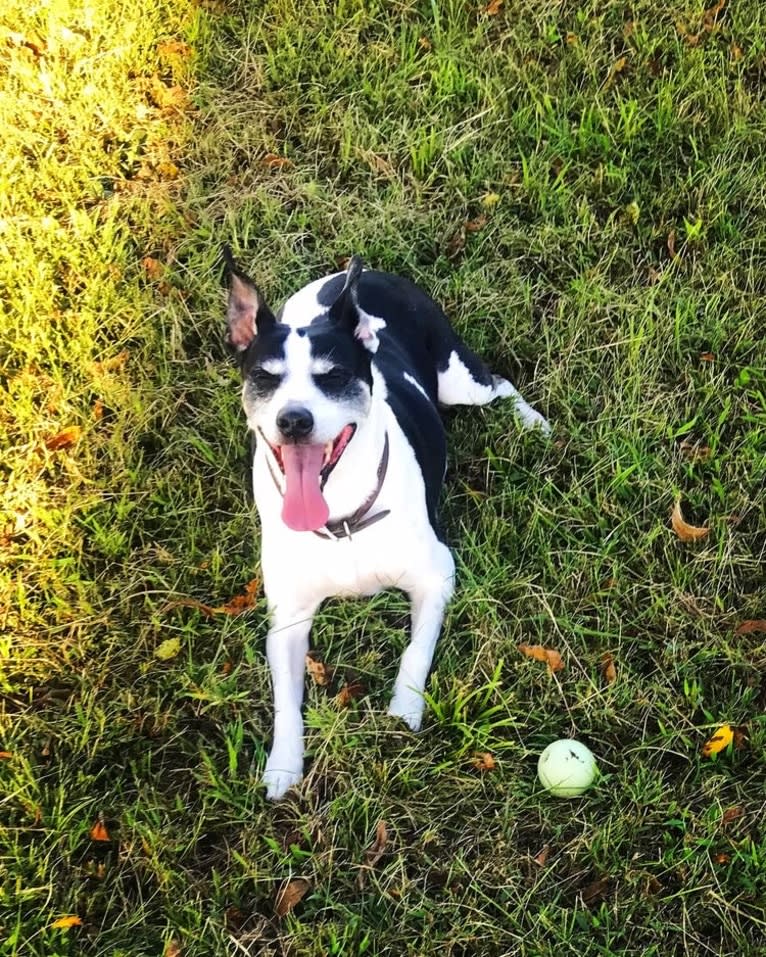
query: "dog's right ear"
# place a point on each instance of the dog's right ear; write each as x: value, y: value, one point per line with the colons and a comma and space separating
x: 246, y: 313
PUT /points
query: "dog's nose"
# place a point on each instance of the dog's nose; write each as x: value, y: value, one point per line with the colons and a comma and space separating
x: 295, y: 422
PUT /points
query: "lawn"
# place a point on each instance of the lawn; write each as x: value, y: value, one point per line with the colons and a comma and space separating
x: 582, y: 186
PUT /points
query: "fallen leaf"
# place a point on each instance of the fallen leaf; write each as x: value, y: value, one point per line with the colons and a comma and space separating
x: 474, y: 225
x: 695, y: 451
x: 5, y: 755
x: 672, y: 243
x: 707, y: 356
x: 174, y: 48
x: 686, y: 532
x: 548, y: 655
x: 721, y: 740
x: 483, y: 761
x: 206, y: 610
x: 595, y: 891
x: 494, y: 7
x: 172, y: 949
x: 350, y: 691
x: 241, y: 603
x: 276, y: 162
x: 542, y: 858
x: 115, y: 363
x: 169, y: 98
x: 290, y: 895
x: 736, y: 51
x: 751, y: 627
x: 722, y: 859
x: 732, y: 814
x: 455, y: 244
x: 374, y: 852
x: 711, y: 15
x: 64, y: 922
x: 168, y: 649
x: 608, y: 668
x: 98, y: 410
x: 153, y: 268
x: 64, y: 439
x: 616, y: 68
x: 166, y: 170
x: 318, y: 670
x: 424, y: 43
x: 99, y: 832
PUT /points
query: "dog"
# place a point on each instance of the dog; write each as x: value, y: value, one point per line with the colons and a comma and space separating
x: 341, y: 390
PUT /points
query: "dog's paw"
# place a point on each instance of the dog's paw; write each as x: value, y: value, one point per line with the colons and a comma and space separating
x: 280, y: 775
x: 408, y: 706
x: 530, y: 418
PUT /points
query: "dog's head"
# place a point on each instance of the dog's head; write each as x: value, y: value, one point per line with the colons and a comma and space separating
x: 307, y: 384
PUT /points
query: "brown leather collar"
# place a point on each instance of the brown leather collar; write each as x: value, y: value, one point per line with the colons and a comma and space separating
x: 356, y: 522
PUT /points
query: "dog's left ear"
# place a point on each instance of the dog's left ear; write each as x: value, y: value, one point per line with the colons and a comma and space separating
x: 346, y: 309
x: 247, y: 313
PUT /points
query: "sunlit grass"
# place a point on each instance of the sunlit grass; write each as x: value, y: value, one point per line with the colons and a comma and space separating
x: 581, y: 187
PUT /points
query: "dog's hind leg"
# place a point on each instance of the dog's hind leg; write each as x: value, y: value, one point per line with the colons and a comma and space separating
x: 286, y: 647
x: 428, y: 598
x: 465, y: 380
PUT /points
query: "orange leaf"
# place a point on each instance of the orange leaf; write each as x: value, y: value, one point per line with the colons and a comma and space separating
x: 685, y: 531
x: 548, y: 655
x: 241, y: 603
x: 750, y: 627
x: 5, y: 755
x: 707, y: 356
x: 721, y: 740
x: 99, y: 832
x: 276, y: 162
x: 542, y: 858
x: 608, y: 668
x: 722, y: 859
x: 474, y: 225
x: 483, y: 761
x: 350, y: 691
x: 64, y: 439
x: 493, y: 7
x: 318, y: 670
x: 732, y: 814
x: 63, y: 922
x: 172, y: 948
x: 291, y: 894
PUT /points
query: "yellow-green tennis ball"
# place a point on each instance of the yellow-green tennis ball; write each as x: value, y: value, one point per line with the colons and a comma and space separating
x: 566, y: 768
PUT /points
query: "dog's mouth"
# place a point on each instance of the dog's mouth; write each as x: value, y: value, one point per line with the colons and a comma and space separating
x: 306, y: 469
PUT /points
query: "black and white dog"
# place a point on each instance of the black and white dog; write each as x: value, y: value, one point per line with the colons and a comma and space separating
x: 341, y: 390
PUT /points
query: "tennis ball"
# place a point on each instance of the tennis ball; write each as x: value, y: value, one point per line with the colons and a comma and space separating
x: 566, y: 768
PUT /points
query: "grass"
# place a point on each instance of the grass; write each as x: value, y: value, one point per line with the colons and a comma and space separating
x: 582, y: 187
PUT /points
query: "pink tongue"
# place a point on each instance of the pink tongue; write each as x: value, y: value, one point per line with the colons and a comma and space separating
x: 303, y: 509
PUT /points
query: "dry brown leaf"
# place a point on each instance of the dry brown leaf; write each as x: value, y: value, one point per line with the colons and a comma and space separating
x: 290, y: 895
x: 547, y: 655
x: 318, y: 670
x: 64, y: 439
x: 685, y: 531
x: 672, y: 243
x: 424, y: 43
x: 751, y: 627
x: 64, y: 922
x: 170, y: 98
x: 206, y: 610
x: 172, y: 949
x: 732, y: 814
x: 98, y: 410
x: 240, y: 603
x: 350, y: 691
x: 736, y: 51
x: 474, y: 225
x: 483, y: 761
x: 115, y: 363
x: 6, y: 755
x: 608, y: 668
x: 596, y: 891
x: 494, y: 7
x: 374, y: 852
x: 153, y: 268
x: 166, y: 170
x: 541, y: 859
x: 707, y: 356
x: 695, y: 451
x: 99, y: 832
x: 273, y: 161
x: 722, y: 858
x: 455, y: 244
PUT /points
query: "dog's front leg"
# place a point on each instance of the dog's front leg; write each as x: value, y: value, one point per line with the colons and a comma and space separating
x: 286, y: 647
x: 428, y: 601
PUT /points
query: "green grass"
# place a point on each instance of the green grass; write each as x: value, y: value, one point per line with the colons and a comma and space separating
x: 616, y: 152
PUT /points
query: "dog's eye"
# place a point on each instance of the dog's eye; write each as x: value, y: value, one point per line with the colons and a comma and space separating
x: 264, y: 380
x: 335, y: 378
